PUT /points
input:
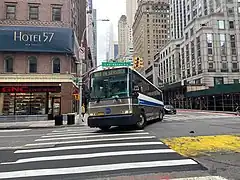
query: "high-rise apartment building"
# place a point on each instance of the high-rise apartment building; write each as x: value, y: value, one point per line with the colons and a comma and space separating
x: 94, y: 12
x: 39, y: 59
x: 208, y: 54
x: 150, y: 31
x: 123, y: 30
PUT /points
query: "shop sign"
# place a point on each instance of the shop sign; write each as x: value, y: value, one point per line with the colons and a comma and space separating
x: 29, y: 89
x: 36, y: 39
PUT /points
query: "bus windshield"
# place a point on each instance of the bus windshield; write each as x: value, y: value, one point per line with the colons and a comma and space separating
x: 108, y: 87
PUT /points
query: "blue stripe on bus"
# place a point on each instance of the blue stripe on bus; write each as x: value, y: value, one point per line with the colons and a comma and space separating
x: 148, y: 103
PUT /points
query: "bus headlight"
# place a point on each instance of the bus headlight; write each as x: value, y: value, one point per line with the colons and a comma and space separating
x: 92, y: 114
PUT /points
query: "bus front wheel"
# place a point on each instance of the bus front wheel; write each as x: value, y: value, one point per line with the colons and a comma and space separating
x: 142, y: 121
x: 105, y: 128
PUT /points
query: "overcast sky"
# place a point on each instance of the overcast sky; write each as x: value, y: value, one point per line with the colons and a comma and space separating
x: 111, y: 9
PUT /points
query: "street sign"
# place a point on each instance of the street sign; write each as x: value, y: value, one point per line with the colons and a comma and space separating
x: 112, y: 64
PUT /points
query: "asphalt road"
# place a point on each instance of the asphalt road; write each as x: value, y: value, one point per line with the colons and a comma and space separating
x: 196, y: 124
x: 83, y: 153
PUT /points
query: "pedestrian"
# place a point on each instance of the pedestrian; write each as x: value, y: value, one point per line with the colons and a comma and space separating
x: 237, y: 109
x: 83, y: 112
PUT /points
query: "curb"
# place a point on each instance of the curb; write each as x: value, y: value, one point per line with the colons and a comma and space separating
x: 39, y: 127
x: 216, y: 112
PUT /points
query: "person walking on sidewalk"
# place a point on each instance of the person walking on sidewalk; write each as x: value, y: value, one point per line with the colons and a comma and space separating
x: 83, y: 112
x: 237, y: 109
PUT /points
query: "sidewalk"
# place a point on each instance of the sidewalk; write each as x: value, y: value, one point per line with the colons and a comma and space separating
x: 40, y: 124
x: 207, y: 111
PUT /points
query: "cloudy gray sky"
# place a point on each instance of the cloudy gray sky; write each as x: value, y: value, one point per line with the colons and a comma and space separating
x: 111, y: 9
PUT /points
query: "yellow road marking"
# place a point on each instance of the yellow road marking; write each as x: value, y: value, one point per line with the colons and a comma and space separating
x: 201, y: 145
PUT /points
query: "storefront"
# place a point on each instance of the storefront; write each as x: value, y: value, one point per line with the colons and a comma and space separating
x: 37, y: 99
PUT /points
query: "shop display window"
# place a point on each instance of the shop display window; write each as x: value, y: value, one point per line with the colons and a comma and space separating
x: 22, y: 103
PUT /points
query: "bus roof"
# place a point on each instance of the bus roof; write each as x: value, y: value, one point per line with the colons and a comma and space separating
x: 120, y: 67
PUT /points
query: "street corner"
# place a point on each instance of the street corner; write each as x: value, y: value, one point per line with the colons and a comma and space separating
x: 204, y: 145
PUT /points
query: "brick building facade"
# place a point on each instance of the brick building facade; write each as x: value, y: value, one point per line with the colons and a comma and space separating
x: 39, y: 43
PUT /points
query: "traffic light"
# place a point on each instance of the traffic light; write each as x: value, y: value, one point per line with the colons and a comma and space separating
x: 136, y: 64
x: 141, y: 63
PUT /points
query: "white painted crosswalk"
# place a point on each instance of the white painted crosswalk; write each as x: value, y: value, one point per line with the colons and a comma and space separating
x: 84, y: 153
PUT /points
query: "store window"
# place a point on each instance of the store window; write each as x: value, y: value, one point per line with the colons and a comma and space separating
x: 25, y: 100
x: 56, y: 65
x: 8, y: 64
x: 32, y: 61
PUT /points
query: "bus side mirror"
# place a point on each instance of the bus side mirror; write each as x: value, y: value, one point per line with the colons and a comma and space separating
x: 135, y: 92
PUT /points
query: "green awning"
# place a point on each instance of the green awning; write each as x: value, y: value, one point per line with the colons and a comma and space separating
x: 217, y: 89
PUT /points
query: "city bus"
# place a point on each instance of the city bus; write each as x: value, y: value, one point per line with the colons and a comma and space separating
x: 122, y: 97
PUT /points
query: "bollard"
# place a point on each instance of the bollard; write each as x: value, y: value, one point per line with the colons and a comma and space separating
x: 58, y: 120
x: 71, y: 118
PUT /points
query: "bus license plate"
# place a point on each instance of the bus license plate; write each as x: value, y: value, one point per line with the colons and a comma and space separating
x: 100, y: 114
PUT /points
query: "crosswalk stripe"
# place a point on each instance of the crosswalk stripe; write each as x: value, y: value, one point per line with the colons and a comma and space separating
x: 94, y: 168
x: 14, y: 130
x: 64, y: 135
x: 90, y: 140
x: 87, y: 147
x: 92, y: 155
x: 91, y: 136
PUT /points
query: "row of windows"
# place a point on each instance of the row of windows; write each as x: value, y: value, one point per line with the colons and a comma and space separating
x: 33, y: 12
x: 145, y: 87
x: 32, y: 64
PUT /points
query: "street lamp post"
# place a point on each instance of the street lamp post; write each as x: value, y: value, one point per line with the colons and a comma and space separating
x: 81, y: 66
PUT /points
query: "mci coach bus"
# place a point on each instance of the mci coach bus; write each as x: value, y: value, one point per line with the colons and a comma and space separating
x: 123, y: 97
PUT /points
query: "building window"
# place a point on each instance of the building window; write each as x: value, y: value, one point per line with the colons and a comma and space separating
x: 8, y: 64
x: 223, y: 47
x: 33, y: 12
x: 233, y: 44
x: 221, y: 24
x: 230, y: 11
x: 56, y: 65
x: 218, y: 80
x: 236, y: 81
x: 234, y: 65
x: 210, y: 65
x: 32, y: 61
x: 224, y: 65
x: 56, y: 14
x: 231, y: 24
x: 11, y: 12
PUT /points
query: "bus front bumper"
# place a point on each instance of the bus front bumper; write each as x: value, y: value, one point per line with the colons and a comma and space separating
x: 113, y: 120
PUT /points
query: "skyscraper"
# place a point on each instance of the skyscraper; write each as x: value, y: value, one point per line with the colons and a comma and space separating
x: 150, y: 30
x: 131, y: 8
x: 122, y: 36
x: 94, y: 12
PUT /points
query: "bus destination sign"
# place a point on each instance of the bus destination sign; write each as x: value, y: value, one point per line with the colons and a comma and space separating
x: 109, y: 72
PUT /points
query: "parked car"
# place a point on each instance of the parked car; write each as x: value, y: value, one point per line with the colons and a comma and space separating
x: 169, y: 109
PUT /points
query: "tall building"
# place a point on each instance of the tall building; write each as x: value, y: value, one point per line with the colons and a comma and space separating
x: 150, y: 32
x: 115, y: 47
x: 209, y: 55
x: 122, y: 36
x: 131, y: 8
x: 94, y: 37
x: 90, y: 33
x: 40, y: 58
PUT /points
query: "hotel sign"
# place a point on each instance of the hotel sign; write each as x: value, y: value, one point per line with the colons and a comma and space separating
x: 36, y: 39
